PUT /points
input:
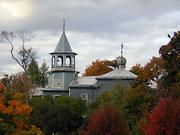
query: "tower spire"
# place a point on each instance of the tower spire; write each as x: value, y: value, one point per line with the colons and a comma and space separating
x: 64, y: 24
x: 122, y: 50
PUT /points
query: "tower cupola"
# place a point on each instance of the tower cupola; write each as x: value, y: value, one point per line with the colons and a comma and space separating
x: 62, y: 64
x: 63, y: 58
x: 121, y: 61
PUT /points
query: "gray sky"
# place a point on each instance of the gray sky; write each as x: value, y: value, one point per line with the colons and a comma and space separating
x: 95, y: 28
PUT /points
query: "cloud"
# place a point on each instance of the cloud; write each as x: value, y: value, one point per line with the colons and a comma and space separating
x: 95, y: 28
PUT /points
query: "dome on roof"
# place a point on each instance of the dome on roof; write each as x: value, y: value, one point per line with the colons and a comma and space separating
x: 121, y: 61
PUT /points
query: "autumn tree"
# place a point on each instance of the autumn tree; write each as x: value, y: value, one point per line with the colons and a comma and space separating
x: 98, y: 67
x: 164, y: 119
x: 18, y: 82
x: 106, y: 120
x: 14, y: 113
x: 153, y: 70
x: 171, y: 55
x: 25, y: 54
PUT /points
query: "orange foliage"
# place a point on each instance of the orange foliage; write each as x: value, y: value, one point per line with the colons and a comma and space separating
x: 97, y: 67
x: 15, y: 109
x: 151, y: 71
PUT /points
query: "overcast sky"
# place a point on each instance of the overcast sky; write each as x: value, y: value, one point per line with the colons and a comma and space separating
x: 95, y: 28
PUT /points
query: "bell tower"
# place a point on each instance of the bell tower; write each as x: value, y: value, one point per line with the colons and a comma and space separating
x: 62, y: 64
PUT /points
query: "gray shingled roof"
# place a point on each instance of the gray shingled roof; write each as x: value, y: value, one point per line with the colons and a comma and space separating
x: 119, y: 73
x: 63, y: 44
x: 88, y: 81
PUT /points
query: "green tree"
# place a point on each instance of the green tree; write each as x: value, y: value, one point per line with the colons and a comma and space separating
x: 114, y: 97
x: 43, y: 74
x: 61, y: 115
x: 171, y: 55
x: 34, y: 73
x: 138, y: 101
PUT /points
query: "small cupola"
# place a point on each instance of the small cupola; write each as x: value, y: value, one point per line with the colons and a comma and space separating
x: 63, y: 58
x: 120, y: 60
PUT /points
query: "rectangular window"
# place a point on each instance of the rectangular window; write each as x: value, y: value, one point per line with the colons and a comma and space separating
x: 84, y: 97
x: 55, y: 96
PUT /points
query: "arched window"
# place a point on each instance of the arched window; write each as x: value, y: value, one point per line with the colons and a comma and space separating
x: 73, y: 61
x: 68, y: 61
x: 60, y: 61
x: 53, y: 61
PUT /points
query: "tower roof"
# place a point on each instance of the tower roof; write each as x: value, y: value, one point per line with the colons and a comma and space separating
x: 63, y: 45
x: 119, y: 73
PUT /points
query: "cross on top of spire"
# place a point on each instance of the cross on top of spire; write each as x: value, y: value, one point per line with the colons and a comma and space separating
x: 122, y: 50
x: 64, y: 24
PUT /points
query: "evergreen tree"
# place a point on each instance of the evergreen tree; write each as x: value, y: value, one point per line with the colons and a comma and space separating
x: 43, y: 74
x: 34, y: 73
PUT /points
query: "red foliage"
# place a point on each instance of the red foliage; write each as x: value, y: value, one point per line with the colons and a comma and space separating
x: 1, y: 86
x: 106, y: 121
x: 164, y: 119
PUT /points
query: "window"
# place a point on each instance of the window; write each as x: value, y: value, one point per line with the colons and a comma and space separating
x: 84, y: 97
x: 56, y: 96
x: 68, y: 61
x: 73, y: 61
x: 60, y: 61
x: 53, y: 61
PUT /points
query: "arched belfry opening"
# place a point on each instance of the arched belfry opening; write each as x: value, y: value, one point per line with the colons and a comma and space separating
x: 60, y: 61
x: 73, y: 61
x: 53, y: 61
x: 68, y: 61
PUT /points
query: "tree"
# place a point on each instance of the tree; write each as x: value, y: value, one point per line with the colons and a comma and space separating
x: 43, y: 74
x: 14, y: 113
x: 34, y: 73
x: 138, y: 100
x: 164, y: 119
x: 24, y: 54
x: 106, y: 120
x: 171, y: 55
x: 61, y: 115
x: 98, y: 67
x: 114, y: 97
x: 153, y: 70
x: 18, y: 82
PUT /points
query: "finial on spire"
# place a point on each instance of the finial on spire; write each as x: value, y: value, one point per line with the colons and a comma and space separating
x: 122, y: 50
x: 64, y: 25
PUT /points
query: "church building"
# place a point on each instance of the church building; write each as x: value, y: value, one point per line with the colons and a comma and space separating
x: 63, y: 78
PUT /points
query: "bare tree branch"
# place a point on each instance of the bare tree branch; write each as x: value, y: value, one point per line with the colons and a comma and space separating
x: 26, y: 54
